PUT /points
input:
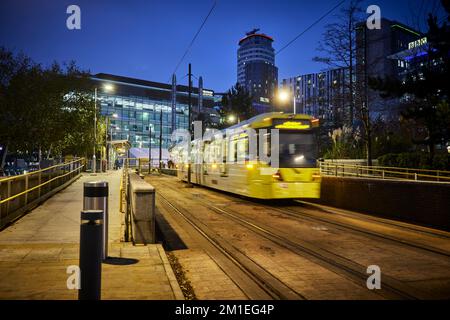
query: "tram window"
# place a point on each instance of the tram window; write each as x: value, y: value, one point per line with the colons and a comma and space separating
x: 233, y: 151
x: 224, y: 150
x: 242, y: 150
x: 266, y: 145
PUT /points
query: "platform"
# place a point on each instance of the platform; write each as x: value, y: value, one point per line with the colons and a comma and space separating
x: 37, y: 249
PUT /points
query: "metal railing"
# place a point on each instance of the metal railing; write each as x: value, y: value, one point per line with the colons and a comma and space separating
x: 379, y: 172
x: 20, y: 193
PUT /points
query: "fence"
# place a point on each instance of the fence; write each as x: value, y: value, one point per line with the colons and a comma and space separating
x: 21, y: 193
x: 378, y: 172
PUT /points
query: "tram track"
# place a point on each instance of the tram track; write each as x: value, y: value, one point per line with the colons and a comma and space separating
x: 268, y: 283
x: 392, y: 288
x: 304, y: 215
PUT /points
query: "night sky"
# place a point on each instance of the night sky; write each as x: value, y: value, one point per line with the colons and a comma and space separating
x: 146, y: 39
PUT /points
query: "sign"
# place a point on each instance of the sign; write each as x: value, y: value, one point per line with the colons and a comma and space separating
x: 417, y: 43
x: 208, y: 93
x: 293, y: 125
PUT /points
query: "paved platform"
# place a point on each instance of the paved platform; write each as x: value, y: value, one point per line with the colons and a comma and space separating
x: 37, y: 249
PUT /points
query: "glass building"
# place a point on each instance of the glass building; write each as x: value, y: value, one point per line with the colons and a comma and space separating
x: 139, y: 110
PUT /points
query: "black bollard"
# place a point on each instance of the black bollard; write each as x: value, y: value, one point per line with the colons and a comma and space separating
x: 91, y: 247
x: 95, y: 197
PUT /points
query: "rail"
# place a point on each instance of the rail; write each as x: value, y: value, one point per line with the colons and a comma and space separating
x: 20, y: 193
x: 379, y: 172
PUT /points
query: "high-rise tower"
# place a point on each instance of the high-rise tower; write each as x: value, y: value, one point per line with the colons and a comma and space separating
x: 256, y: 70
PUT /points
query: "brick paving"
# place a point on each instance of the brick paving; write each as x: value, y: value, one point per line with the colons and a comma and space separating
x: 37, y: 249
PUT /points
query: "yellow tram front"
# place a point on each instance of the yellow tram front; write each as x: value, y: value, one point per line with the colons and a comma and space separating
x: 296, y: 175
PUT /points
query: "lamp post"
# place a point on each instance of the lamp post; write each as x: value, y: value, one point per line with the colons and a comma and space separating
x: 284, y: 96
x: 160, y: 138
x: 94, y: 162
x: 232, y: 118
x: 108, y: 150
x: 107, y: 87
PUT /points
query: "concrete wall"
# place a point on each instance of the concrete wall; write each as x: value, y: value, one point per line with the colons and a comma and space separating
x: 142, y: 202
x: 425, y: 203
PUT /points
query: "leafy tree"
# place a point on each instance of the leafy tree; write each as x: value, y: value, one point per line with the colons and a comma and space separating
x: 237, y: 102
x: 425, y: 90
x: 44, y: 109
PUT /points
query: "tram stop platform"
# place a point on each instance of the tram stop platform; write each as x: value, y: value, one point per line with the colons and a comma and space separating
x: 37, y: 249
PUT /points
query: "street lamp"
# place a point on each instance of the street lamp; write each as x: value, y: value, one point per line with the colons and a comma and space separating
x: 284, y: 96
x: 232, y: 119
x: 106, y: 87
x: 108, y: 150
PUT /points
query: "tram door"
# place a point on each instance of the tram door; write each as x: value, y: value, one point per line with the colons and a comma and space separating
x: 224, y: 153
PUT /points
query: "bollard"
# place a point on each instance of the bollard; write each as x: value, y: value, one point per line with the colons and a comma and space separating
x: 91, y: 244
x: 96, y: 198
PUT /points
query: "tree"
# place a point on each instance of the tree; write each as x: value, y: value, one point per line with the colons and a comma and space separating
x: 46, y: 109
x: 425, y: 89
x: 339, y: 46
x: 237, y: 102
x: 339, y: 49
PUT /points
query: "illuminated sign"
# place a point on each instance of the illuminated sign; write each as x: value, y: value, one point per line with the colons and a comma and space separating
x: 293, y: 125
x: 417, y: 43
x: 208, y: 93
x: 262, y: 99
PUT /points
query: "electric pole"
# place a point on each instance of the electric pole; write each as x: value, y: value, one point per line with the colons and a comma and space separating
x: 160, y: 139
x: 150, y: 148
x: 190, y: 126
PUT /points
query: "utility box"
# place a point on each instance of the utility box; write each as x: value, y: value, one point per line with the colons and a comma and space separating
x: 142, y: 205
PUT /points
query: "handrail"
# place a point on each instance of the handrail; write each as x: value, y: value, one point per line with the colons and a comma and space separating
x: 385, y: 167
x: 41, y: 184
x: 339, y: 169
x: 3, y: 179
x: 22, y: 194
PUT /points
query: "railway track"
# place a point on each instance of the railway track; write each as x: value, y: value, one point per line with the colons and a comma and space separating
x: 269, y: 284
x: 392, y: 288
x: 301, y: 214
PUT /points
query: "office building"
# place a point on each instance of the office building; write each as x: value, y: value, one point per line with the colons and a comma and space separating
x: 375, y: 46
x: 138, y: 109
x: 323, y: 95
x: 256, y: 70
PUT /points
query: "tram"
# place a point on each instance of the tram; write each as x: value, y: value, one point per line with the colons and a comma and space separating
x: 242, y: 159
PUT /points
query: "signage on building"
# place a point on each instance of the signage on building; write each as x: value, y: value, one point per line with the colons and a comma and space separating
x: 208, y: 93
x: 417, y: 43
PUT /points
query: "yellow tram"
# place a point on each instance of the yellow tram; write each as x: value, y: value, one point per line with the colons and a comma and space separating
x: 238, y: 159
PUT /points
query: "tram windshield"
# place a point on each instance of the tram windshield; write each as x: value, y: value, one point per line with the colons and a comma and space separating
x: 297, y: 150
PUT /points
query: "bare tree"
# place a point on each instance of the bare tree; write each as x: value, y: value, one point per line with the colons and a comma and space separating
x: 339, y: 49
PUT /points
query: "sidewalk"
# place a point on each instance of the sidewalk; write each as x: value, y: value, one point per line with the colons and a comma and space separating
x: 36, y: 251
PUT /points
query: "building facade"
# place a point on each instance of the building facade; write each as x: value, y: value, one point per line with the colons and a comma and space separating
x: 256, y: 70
x: 141, y: 111
x: 374, y: 47
x: 323, y: 95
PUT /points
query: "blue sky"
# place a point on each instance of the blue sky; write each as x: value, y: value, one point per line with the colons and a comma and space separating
x: 146, y: 39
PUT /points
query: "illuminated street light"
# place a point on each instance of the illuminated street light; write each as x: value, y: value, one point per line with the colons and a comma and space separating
x: 284, y: 96
x: 108, y: 87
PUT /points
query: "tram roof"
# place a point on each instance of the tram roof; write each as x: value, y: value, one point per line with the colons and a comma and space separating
x: 261, y: 119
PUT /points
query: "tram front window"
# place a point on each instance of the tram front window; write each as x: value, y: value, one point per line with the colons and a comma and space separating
x: 297, y: 150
